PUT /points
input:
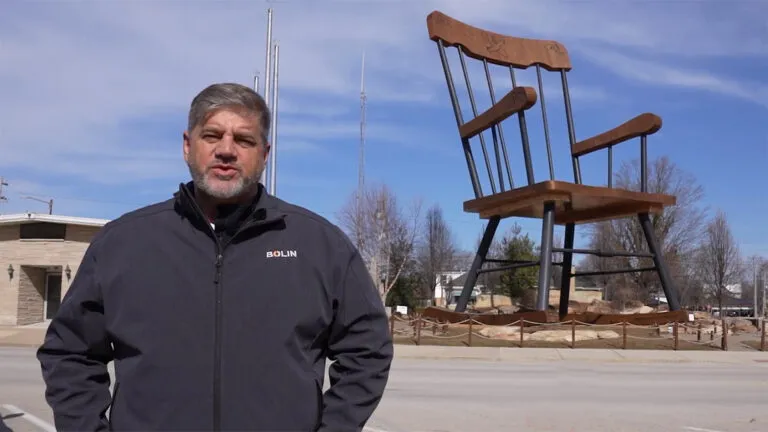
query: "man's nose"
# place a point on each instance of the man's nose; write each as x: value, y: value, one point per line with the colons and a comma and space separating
x: 226, y: 147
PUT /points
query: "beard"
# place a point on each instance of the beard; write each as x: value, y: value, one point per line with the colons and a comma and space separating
x: 223, y: 188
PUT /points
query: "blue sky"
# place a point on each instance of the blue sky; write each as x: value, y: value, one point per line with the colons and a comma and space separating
x: 94, y: 97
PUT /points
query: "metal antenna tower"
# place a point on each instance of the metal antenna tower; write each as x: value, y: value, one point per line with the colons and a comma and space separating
x: 361, y: 162
x: 361, y: 167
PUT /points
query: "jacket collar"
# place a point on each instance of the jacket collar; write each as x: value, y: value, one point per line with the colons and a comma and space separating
x: 262, y: 210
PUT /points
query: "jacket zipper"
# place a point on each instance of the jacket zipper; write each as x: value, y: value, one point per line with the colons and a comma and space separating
x: 217, y: 341
x: 218, y: 307
x: 218, y: 316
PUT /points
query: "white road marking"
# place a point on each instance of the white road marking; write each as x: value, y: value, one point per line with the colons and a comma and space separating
x: 42, y: 424
x: 696, y: 429
x: 47, y: 427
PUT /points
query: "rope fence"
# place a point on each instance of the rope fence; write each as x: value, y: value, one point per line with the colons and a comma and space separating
x: 712, y: 335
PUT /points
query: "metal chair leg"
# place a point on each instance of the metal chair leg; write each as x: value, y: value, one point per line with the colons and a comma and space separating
x: 477, y: 263
x: 565, y: 280
x: 658, y: 260
x: 545, y: 263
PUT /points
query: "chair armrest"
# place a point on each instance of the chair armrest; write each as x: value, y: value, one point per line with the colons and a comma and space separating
x: 517, y: 100
x: 644, y: 124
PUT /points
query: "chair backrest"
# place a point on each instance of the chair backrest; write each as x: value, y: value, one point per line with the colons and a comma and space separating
x: 511, y: 53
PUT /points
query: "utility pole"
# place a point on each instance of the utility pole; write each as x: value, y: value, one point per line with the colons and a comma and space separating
x: 765, y: 291
x: 3, y: 183
x: 754, y: 290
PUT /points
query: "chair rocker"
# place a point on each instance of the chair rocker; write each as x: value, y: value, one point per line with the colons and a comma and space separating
x: 553, y: 201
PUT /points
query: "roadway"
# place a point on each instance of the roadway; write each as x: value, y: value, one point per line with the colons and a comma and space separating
x: 476, y: 395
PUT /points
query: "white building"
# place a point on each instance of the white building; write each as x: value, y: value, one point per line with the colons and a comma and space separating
x: 449, y: 285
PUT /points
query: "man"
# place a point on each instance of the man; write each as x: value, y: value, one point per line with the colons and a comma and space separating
x: 219, y: 306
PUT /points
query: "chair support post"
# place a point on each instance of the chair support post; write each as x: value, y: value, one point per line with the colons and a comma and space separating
x: 565, y: 280
x: 545, y: 269
x: 459, y: 120
x: 523, y: 136
x: 543, y: 104
x: 644, y: 163
x: 571, y: 129
x: 658, y: 261
x: 477, y: 263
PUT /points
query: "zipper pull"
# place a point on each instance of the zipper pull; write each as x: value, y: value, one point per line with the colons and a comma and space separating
x: 219, y: 259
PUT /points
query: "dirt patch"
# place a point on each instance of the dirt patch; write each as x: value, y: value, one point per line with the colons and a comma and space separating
x: 505, y: 336
x: 448, y: 316
x: 636, y: 319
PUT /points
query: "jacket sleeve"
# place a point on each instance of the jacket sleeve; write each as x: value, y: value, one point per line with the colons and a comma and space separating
x: 361, y: 346
x: 75, y: 354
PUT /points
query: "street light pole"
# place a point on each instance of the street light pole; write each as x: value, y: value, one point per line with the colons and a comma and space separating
x: 49, y: 202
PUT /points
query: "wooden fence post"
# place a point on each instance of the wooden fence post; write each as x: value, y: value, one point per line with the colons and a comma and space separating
x: 522, y: 326
x: 762, y: 338
x: 392, y: 325
x: 469, y: 342
x: 677, y: 338
x: 418, y: 330
x: 573, y: 333
x: 624, y: 334
x: 698, y: 335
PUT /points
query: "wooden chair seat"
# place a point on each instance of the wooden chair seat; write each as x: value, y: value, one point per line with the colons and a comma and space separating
x: 574, y: 203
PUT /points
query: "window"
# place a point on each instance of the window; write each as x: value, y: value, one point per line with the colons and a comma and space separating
x: 43, y: 231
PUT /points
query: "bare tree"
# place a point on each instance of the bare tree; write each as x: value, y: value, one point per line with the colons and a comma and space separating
x: 686, y: 272
x: 720, y: 259
x: 677, y: 228
x: 436, y: 250
x: 384, y: 233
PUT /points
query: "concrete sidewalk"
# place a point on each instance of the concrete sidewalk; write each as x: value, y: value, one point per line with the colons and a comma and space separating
x: 32, y: 336
x: 534, y: 355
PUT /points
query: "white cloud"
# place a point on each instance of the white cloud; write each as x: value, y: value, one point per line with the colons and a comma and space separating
x: 682, y: 28
x: 72, y: 72
x: 655, y: 73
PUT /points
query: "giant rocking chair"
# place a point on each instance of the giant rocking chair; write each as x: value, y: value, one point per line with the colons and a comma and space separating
x: 553, y: 201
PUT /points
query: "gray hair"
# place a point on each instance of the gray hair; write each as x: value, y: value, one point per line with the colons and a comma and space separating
x: 227, y: 95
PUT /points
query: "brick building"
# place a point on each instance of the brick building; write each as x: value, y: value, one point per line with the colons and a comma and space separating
x: 39, y: 256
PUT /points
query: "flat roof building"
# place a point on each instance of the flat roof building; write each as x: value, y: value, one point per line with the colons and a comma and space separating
x: 39, y: 256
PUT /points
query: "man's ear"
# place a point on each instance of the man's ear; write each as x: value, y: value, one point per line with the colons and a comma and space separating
x: 186, y: 144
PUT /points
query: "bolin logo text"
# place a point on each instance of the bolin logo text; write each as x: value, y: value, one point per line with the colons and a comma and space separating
x: 282, y: 254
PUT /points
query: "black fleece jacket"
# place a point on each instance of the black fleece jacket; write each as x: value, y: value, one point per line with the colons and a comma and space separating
x: 226, y: 330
